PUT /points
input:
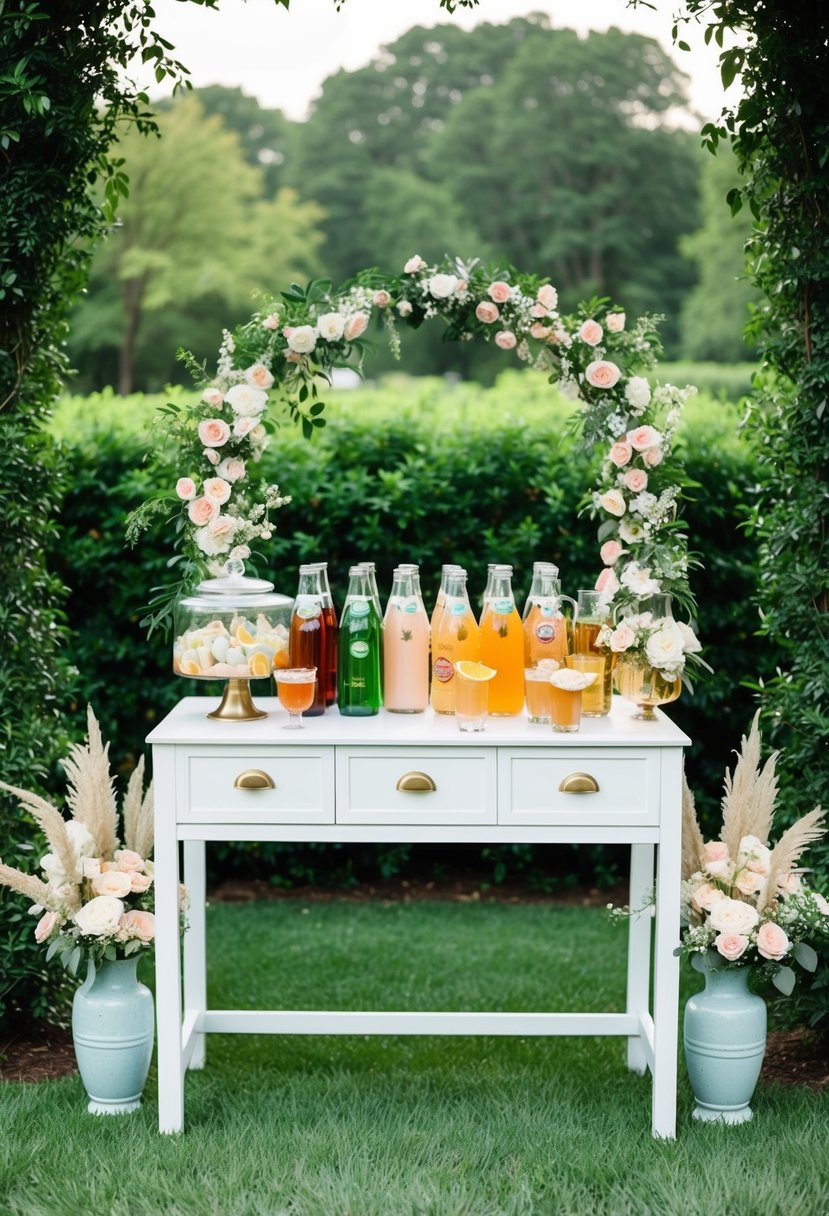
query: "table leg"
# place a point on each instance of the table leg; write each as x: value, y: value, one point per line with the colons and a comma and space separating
x: 639, y: 946
x: 195, y: 970
x: 167, y: 947
x: 666, y: 964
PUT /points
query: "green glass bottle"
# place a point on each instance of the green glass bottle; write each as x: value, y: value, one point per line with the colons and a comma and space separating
x: 358, y: 677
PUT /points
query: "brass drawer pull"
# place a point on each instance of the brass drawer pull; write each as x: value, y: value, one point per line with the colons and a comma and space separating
x: 254, y: 779
x: 579, y: 783
x: 416, y: 783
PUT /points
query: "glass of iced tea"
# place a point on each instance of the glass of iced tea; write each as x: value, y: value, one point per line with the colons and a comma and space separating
x: 538, y: 691
x: 295, y: 687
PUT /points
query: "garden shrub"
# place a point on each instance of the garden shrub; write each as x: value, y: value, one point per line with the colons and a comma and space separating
x: 471, y: 482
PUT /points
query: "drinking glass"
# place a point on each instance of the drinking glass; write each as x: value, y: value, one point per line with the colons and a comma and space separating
x: 471, y: 701
x: 538, y: 693
x: 566, y: 708
x: 596, y: 701
x: 295, y: 687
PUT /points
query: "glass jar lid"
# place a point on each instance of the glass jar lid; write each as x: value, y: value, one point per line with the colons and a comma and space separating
x: 233, y: 588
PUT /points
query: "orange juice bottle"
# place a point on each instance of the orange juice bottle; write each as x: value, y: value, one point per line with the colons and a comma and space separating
x: 502, y: 643
x: 547, y: 629
x: 455, y: 636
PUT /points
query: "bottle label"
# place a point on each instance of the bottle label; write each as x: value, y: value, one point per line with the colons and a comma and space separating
x: 503, y: 607
x: 410, y: 606
x: 545, y: 632
x: 547, y: 610
x: 443, y: 670
x: 308, y: 611
x: 359, y: 608
x: 358, y: 650
x: 457, y: 609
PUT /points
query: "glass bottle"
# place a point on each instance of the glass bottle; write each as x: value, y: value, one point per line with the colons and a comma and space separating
x: 307, y: 645
x: 327, y: 673
x: 502, y: 643
x: 371, y: 570
x: 547, y: 630
x: 456, y: 636
x: 405, y: 648
x: 445, y: 572
x: 358, y: 676
x: 591, y: 614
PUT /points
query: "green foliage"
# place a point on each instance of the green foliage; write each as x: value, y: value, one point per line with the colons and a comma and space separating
x: 417, y: 471
x: 716, y: 310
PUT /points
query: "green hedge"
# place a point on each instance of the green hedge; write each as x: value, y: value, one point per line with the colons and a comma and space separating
x: 420, y: 472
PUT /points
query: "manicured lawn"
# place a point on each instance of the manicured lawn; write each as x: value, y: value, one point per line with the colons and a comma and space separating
x: 364, y: 1126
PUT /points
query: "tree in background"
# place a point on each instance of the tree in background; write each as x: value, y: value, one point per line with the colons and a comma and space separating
x: 266, y: 137
x: 195, y: 239
x: 716, y: 310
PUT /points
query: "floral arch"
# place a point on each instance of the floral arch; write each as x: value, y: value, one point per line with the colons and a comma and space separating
x: 291, y: 345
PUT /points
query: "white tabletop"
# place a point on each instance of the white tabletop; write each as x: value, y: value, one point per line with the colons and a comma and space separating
x: 188, y: 724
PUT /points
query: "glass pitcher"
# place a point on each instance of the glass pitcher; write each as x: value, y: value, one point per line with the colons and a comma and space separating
x: 591, y: 614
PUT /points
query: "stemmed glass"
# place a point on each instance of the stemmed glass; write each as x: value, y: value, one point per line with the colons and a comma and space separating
x: 295, y: 688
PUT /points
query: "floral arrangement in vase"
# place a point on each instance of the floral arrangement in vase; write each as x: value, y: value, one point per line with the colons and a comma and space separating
x: 745, y: 901
x: 95, y: 896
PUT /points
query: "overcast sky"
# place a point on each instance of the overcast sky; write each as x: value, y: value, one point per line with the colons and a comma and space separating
x: 282, y: 57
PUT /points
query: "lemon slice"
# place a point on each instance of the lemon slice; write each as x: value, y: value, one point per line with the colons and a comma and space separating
x: 474, y: 671
x: 245, y: 636
x: 260, y: 665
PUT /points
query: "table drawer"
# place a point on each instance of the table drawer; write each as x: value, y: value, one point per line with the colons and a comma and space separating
x: 256, y: 785
x: 414, y: 785
x: 580, y: 786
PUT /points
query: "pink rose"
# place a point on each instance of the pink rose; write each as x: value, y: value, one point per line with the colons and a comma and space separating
x: 211, y: 455
x: 487, y: 312
x: 538, y: 310
x: 414, y: 264
x: 622, y: 638
x: 139, y: 883
x: 244, y: 425
x: 219, y: 490
x: 222, y: 526
x: 259, y: 376
x: 644, y: 437
x: 186, y: 488
x: 46, y: 926
x: 602, y: 373
x: 591, y: 332
x: 705, y: 896
x: 498, y: 291
x: 202, y: 510
x: 652, y: 457
x: 213, y: 432
x: 610, y: 552
x: 621, y: 453
x: 138, y: 924
x: 539, y: 331
x: 607, y: 581
x: 232, y: 469
x: 382, y: 299
x: 772, y: 942
x: 287, y: 330
x: 731, y: 945
x: 615, y: 322
x: 292, y: 357
x: 128, y: 859
x: 506, y: 339
x: 715, y: 850
x: 271, y: 321
x: 789, y: 883
x: 213, y: 396
x: 115, y: 882
x: 547, y: 297
x: 461, y: 287
x: 355, y: 326
x: 635, y: 480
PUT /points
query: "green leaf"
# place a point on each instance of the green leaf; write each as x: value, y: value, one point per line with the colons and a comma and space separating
x: 783, y: 980
x: 806, y: 956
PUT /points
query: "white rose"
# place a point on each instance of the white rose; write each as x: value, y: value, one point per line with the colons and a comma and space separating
x: 302, y: 341
x: 114, y: 882
x: 441, y: 286
x: 613, y: 502
x: 631, y: 531
x: 706, y: 896
x: 245, y: 399
x: 664, y: 649
x: 210, y: 545
x: 753, y: 853
x: 404, y: 308
x: 750, y: 883
x: 615, y: 322
x: 331, y: 326
x: 637, y: 392
x: 690, y: 641
x: 100, y: 916
x: 244, y: 425
x: 733, y: 916
x: 213, y: 396
x: 83, y: 842
x: 638, y: 580
x: 232, y: 469
x: 56, y: 876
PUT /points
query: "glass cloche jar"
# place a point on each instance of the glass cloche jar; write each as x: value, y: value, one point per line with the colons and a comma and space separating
x: 233, y: 628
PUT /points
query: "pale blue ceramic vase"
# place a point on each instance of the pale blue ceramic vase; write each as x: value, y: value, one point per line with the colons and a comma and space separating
x: 725, y: 1041
x: 113, y: 1026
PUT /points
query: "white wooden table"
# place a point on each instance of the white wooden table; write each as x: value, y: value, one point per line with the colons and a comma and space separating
x: 346, y: 779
